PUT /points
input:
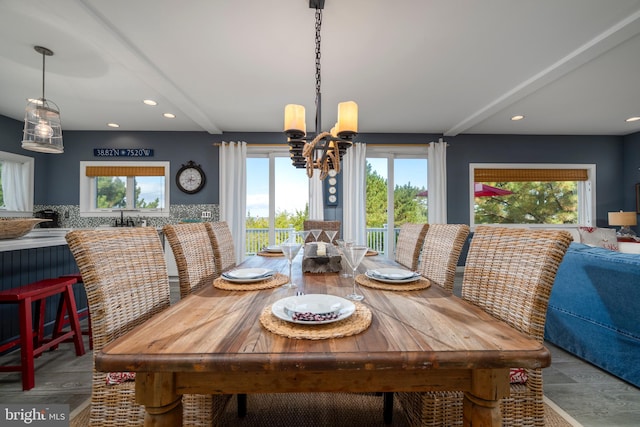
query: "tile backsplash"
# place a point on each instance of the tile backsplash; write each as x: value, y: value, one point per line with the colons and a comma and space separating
x: 69, y: 216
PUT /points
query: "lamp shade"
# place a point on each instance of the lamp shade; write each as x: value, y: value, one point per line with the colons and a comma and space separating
x: 623, y: 218
x: 42, y: 127
x: 294, y: 120
x: 347, y: 118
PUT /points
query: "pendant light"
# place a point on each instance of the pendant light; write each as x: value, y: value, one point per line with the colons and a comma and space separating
x: 320, y: 150
x: 42, y: 128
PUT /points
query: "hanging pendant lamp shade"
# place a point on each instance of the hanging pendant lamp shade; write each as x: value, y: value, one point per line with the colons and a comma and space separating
x: 42, y: 127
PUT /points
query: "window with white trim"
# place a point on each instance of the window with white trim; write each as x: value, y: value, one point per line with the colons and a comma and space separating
x: 396, y: 192
x: 135, y: 187
x: 532, y: 195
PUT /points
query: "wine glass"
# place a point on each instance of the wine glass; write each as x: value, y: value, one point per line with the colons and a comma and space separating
x: 331, y: 234
x: 341, y: 243
x: 354, y: 255
x: 316, y: 233
x: 290, y: 249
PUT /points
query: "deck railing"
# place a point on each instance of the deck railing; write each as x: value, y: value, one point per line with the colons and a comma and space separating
x: 258, y: 238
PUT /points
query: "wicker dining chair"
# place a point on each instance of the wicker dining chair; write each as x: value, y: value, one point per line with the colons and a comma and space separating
x: 509, y: 273
x: 194, y: 255
x: 440, y: 253
x: 223, y: 247
x: 410, y: 240
x: 313, y: 224
x: 126, y: 282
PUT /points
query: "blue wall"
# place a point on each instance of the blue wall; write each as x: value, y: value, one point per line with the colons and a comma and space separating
x: 617, y: 159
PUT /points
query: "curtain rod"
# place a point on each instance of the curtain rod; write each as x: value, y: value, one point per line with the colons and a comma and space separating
x: 218, y: 144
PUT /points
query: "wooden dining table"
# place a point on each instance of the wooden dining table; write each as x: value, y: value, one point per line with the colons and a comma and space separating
x: 212, y: 342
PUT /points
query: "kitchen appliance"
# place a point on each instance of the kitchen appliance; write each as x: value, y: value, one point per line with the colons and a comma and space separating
x: 49, y: 214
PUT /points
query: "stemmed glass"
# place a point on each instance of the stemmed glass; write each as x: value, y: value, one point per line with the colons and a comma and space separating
x: 341, y: 243
x: 354, y: 255
x: 331, y: 234
x: 316, y: 233
x: 290, y: 249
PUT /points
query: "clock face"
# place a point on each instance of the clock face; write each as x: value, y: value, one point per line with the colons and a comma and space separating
x: 332, y: 172
x: 190, y: 178
x: 333, y: 181
x: 332, y: 190
x: 332, y: 198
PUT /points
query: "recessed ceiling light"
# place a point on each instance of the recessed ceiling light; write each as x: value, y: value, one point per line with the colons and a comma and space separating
x: 169, y: 116
x: 633, y: 119
x: 150, y: 102
x: 113, y: 125
x: 517, y: 117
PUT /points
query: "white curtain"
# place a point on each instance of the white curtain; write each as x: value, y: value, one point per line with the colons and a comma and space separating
x: 354, y: 192
x: 585, y: 199
x: 437, y: 182
x: 15, y: 179
x: 316, y: 206
x: 233, y: 192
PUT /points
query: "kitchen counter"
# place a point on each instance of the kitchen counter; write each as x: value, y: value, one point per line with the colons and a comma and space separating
x: 37, y: 238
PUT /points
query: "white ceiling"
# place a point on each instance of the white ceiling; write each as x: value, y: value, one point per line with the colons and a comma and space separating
x: 418, y: 66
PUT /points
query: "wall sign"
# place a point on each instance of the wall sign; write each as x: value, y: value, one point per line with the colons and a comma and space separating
x: 123, y: 152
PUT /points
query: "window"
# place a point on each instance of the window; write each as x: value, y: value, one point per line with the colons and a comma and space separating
x: 141, y: 187
x: 277, y: 196
x: 396, y: 192
x: 532, y: 194
x: 16, y: 185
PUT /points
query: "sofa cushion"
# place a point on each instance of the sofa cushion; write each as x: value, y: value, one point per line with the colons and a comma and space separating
x: 599, y: 237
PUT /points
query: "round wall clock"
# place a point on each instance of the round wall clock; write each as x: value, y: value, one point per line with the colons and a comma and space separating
x: 190, y: 178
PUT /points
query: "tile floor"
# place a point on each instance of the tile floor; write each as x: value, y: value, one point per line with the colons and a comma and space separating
x: 590, y: 395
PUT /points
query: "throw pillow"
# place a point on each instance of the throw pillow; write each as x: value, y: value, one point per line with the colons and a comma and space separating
x: 600, y: 237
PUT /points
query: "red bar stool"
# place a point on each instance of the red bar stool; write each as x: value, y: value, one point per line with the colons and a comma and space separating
x: 32, y: 342
x: 88, y: 331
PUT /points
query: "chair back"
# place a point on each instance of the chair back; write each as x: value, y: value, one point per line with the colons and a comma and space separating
x: 125, y: 278
x: 223, y: 247
x: 440, y: 253
x: 313, y: 224
x: 510, y: 271
x: 409, y: 244
x: 193, y: 250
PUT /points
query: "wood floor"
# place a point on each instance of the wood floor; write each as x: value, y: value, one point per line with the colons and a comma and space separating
x: 590, y: 395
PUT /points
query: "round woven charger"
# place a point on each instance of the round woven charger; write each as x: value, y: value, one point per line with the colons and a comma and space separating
x: 273, y: 282
x: 354, y: 324
x: 270, y: 254
x: 421, y: 283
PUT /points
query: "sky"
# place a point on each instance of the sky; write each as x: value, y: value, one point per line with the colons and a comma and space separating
x: 292, y: 185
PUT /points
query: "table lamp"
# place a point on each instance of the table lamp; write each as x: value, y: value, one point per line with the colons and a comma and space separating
x: 625, y: 220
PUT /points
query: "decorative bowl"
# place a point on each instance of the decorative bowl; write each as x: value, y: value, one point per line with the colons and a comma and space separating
x: 12, y: 228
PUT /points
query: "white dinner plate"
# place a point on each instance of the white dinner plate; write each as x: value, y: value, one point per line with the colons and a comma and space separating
x: 392, y: 275
x: 313, y: 303
x: 247, y: 275
x: 273, y: 248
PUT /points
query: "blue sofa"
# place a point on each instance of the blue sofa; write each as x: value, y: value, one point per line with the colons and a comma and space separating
x: 594, y: 309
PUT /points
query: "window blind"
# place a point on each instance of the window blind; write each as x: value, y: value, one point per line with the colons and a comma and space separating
x: 125, y: 170
x: 529, y: 175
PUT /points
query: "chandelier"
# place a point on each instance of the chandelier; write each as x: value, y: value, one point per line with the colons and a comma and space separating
x: 320, y: 150
x: 42, y: 128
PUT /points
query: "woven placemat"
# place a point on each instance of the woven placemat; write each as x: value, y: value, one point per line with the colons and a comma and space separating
x: 273, y: 282
x: 354, y: 324
x: 270, y: 254
x: 421, y: 283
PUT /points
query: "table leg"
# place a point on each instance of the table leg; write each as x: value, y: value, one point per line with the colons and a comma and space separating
x: 481, y: 405
x: 157, y: 393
